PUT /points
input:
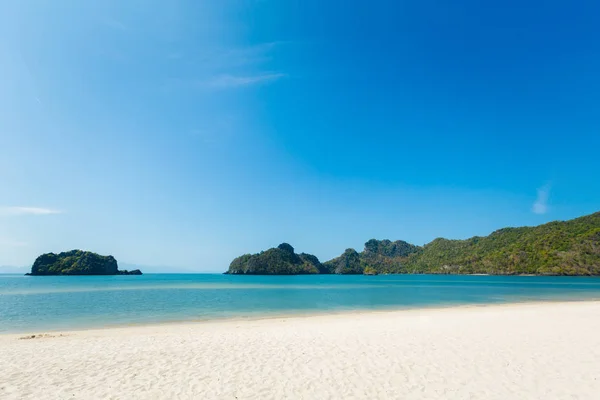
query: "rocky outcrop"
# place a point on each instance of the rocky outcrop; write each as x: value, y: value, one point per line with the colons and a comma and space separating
x: 132, y: 272
x: 347, y: 263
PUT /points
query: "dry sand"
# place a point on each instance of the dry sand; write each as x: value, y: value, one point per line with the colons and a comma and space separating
x: 524, y: 351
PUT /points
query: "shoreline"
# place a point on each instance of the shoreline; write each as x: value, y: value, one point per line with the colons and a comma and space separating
x: 548, y: 350
x: 291, y: 316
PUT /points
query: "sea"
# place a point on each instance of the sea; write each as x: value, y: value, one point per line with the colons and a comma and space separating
x: 30, y: 304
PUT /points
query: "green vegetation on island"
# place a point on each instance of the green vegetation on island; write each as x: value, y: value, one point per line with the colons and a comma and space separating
x: 556, y: 248
x: 370, y: 271
x: 348, y: 263
x: 77, y: 262
x: 277, y: 261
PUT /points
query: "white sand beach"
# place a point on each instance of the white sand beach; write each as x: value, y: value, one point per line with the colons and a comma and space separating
x: 521, y: 351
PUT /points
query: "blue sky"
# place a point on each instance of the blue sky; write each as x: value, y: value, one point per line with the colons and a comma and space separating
x: 184, y: 133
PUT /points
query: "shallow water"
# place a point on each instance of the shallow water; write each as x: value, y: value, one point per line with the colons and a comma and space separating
x: 56, y: 302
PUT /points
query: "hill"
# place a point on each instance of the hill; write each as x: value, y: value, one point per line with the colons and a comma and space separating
x: 556, y: 248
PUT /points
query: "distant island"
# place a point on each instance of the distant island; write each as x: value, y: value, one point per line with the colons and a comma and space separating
x: 281, y: 260
x: 77, y: 262
x: 556, y: 248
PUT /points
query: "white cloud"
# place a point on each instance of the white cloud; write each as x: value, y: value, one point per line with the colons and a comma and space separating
x: 540, y: 206
x: 232, y: 81
x: 15, y: 211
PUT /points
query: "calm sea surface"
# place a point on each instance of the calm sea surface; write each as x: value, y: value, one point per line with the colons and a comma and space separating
x: 30, y: 304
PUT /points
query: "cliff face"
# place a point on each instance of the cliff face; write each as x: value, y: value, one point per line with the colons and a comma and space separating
x: 77, y: 262
x: 347, y: 263
x: 384, y: 256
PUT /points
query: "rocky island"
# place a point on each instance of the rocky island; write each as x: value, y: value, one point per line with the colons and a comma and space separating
x: 77, y: 262
x: 556, y: 248
x: 281, y: 260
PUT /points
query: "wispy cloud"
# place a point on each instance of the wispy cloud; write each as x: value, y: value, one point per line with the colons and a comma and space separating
x: 15, y: 211
x: 233, y: 81
x: 540, y: 206
x: 227, y: 68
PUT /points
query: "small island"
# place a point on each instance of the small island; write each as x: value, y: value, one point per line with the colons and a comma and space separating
x: 281, y: 260
x: 77, y: 262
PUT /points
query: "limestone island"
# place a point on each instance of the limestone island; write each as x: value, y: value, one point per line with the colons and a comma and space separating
x: 77, y: 262
x: 281, y: 260
x: 556, y: 248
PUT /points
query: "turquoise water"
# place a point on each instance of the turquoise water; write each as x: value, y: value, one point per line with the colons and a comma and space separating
x: 30, y: 304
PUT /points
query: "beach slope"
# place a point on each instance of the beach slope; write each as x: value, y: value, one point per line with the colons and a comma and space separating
x: 521, y: 351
